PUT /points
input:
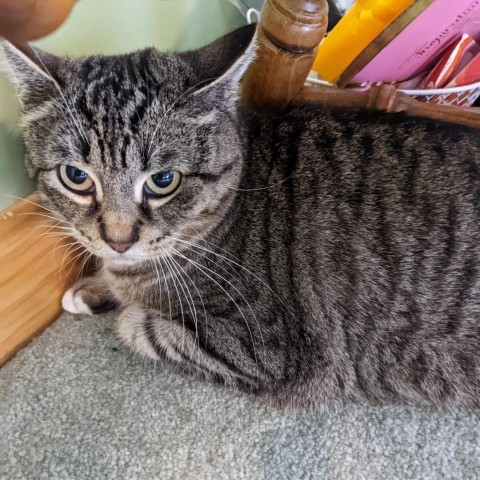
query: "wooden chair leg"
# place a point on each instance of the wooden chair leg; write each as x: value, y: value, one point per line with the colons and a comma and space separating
x: 288, y: 35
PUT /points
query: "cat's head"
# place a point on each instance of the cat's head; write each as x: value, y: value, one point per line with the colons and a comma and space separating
x: 134, y: 151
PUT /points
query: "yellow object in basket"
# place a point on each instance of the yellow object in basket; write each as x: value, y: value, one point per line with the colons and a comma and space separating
x: 355, y: 31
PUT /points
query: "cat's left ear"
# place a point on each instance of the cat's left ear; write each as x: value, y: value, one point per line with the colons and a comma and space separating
x: 34, y: 73
x: 220, y: 81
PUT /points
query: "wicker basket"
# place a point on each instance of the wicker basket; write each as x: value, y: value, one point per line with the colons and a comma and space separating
x: 464, y: 96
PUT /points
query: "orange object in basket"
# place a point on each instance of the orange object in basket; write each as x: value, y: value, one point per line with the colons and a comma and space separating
x: 353, y: 33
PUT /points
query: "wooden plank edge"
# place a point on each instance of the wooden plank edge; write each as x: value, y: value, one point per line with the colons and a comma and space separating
x: 22, y: 218
x: 23, y: 341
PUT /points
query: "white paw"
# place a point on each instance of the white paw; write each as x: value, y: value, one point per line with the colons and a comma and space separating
x: 73, y: 303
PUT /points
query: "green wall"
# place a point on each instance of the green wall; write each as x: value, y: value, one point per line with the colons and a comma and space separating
x: 109, y: 27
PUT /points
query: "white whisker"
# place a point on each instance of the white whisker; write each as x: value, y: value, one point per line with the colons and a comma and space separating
x: 200, y: 247
x: 192, y: 310
x: 187, y: 293
x: 202, y: 269
x: 43, y: 207
x: 172, y: 276
x: 84, y: 263
x: 200, y: 296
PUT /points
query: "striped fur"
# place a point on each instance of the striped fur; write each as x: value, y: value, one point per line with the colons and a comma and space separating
x: 314, y: 258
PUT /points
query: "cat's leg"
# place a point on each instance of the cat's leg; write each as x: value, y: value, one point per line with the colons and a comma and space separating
x: 89, y: 296
x: 150, y: 335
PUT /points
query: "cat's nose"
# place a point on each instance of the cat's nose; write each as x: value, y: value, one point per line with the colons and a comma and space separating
x: 120, y: 247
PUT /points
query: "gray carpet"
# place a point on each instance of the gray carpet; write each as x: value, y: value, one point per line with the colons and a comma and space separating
x: 76, y: 405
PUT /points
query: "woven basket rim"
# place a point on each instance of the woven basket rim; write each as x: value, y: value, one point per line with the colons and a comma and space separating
x: 441, y: 91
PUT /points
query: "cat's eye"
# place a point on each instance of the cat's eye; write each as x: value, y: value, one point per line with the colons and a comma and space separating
x: 162, y: 184
x: 75, y: 180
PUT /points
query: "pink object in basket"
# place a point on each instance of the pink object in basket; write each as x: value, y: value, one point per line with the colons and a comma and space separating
x: 421, y: 43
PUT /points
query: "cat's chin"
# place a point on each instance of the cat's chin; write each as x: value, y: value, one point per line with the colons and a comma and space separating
x: 122, y: 261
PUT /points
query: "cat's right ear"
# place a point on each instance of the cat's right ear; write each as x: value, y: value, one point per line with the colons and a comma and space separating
x: 34, y: 73
x: 220, y: 66
x: 213, y: 60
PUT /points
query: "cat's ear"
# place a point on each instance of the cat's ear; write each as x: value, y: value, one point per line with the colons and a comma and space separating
x: 221, y: 65
x: 33, y: 72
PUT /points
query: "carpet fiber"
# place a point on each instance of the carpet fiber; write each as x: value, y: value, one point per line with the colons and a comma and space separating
x: 76, y: 405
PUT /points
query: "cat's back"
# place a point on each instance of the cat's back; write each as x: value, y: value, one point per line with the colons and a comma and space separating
x: 342, y: 133
x: 349, y: 156
x: 379, y: 210
x: 376, y: 217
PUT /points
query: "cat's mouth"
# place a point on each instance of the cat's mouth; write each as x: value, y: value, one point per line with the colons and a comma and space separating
x: 111, y: 257
x: 128, y: 258
x: 124, y: 260
x: 142, y: 252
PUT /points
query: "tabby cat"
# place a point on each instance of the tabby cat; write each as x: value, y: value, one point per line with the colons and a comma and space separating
x: 314, y: 258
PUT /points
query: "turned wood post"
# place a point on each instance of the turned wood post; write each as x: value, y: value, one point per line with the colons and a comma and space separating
x: 288, y: 36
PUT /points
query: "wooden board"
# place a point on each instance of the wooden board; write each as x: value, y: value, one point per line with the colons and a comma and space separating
x: 36, y: 267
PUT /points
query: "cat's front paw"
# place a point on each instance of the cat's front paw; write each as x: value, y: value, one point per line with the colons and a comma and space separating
x: 132, y: 326
x: 73, y: 302
x: 88, y: 297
